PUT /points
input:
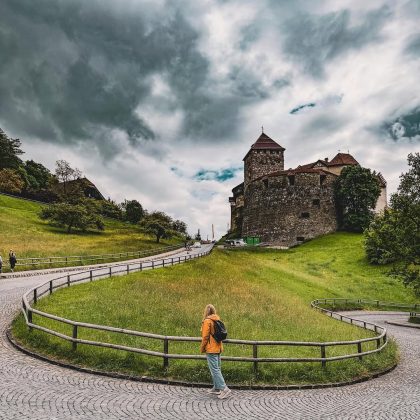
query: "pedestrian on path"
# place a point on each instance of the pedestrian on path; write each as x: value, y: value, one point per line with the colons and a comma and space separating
x: 12, y: 260
x: 213, y: 348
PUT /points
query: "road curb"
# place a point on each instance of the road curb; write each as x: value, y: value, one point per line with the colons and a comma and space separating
x: 161, y: 381
x: 402, y: 324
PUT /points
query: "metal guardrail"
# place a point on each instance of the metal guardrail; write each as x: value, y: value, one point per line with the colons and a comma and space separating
x: 82, y: 259
x: 47, y: 288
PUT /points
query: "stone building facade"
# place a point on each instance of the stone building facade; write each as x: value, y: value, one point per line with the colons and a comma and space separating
x: 286, y: 207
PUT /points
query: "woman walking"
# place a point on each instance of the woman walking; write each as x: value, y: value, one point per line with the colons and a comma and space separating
x: 213, y: 348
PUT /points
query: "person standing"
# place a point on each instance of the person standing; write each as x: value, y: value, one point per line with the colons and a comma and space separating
x: 12, y: 260
x: 213, y: 348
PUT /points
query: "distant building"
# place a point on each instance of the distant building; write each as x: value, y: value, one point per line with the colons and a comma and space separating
x: 89, y: 189
x: 285, y: 207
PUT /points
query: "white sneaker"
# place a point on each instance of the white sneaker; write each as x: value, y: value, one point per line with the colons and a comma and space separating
x: 214, y: 391
x: 224, y: 393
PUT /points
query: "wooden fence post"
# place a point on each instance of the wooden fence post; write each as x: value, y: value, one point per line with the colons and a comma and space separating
x: 35, y: 295
x: 153, y: 264
x: 255, y: 355
x: 68, y: 280
x: 128, y: 268
x: 90, y: 275
x: 51, y: 287
x: 166, y: 351
x: 141, y: 267
x: 30, y: 319
x: 324, y: 362
x: 110, y: 271
x: 359, y: 350
x: 74, y: 344
x: 378, y: 343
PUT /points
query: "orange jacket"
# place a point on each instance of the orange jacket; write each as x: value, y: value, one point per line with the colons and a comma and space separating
x: 208, y: 343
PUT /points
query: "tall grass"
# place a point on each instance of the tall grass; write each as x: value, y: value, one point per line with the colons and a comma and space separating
x: 260, y: 294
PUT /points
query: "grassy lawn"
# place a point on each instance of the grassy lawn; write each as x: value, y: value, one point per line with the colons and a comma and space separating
x: 260, y: 294
x: 23, y: 231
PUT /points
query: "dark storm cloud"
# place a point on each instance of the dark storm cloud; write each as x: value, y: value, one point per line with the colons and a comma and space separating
x: 313, y: 40
x: 75, y: 70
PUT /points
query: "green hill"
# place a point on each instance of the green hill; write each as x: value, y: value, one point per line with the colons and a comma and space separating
x: 261, y: 294
x: 29, y: 236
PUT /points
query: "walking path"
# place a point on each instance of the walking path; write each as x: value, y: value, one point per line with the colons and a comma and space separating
x: 32, y: 389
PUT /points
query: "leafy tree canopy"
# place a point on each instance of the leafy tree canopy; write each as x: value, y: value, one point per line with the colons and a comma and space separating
x: 356, y: 191
x: 73, y: 216
x: 10, y: 151
x: 10, y: 181
x: 394, y: 237
x: 133, y: 211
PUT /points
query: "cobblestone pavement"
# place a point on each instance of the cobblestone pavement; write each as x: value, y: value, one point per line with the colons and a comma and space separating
x: 32, y: 389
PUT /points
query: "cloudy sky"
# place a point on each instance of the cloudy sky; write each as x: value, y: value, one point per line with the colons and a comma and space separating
x: 160, y: 100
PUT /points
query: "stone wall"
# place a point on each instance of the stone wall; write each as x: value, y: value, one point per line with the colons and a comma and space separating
x: 284, y: 214
x: 262, y: 162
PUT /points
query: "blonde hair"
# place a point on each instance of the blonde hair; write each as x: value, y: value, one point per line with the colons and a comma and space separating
x: 209, y: 310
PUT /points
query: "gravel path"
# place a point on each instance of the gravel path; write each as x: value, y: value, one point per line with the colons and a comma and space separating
x: 32, y: 389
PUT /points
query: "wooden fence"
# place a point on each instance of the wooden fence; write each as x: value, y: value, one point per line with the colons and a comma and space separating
x: 70, y: 260
x: 361, y: 346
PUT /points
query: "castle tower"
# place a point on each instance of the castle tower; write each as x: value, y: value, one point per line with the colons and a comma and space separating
x: 264, y: 157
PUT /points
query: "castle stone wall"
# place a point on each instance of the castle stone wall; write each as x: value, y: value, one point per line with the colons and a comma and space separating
x: 284, y: 214
x: 262, y: 162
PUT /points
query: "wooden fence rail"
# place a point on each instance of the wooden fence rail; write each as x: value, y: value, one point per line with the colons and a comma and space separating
x: 361, y: 350
x: 82, y: 259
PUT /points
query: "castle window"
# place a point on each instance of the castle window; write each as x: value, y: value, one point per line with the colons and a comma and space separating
x: 305, y: 215
x: 291, y: 179
x: 322, y: 178
x: 265, y: 181
x: 300, y: 238
x: 315, y: 202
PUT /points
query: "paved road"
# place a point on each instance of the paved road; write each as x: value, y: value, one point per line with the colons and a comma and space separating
x: 32, y: 389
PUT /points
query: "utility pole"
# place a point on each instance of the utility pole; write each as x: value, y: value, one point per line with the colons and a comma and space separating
x: 212, y: 231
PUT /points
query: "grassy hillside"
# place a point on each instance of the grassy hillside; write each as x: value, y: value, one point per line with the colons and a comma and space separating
x: 23, y: 231
x: 261, y: 294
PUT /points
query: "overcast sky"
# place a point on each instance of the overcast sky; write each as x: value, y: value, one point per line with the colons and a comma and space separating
x: 159, y: 101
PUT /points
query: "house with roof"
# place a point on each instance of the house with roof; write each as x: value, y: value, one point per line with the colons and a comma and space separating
x: 286, y: 207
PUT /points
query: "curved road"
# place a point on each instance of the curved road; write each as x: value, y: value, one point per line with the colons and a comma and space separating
x: 32, y: 389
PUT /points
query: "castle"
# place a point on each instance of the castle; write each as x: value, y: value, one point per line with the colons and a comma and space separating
x: 286, y: 207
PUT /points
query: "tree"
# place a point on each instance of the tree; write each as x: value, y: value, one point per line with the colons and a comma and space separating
x: 394, y: 237
x: 158, y: 224
x: 109, y: 208
x: 179, y: 226
x: 65, y: 173
x: 10, y: 151
x: 73, y: 216
x: 356, y: 193
x: 10, y: 181
x: 133, y: 211
x: 38, y: 175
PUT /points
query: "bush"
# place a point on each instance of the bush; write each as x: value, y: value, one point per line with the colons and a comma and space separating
x: 10, y: 181
x: 73, y: 216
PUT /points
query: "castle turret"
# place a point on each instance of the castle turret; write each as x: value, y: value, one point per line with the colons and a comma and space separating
x: 265, y: 157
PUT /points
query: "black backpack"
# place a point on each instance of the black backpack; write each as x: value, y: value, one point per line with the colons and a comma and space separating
x: 220, y: 332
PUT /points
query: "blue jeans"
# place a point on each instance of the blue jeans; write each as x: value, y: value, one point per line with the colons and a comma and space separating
x: 215, y: 366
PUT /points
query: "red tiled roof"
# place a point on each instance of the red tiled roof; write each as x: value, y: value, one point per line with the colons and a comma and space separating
x: 265, y: 143
x: 343, y: 159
